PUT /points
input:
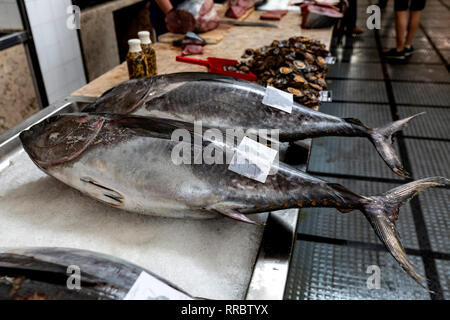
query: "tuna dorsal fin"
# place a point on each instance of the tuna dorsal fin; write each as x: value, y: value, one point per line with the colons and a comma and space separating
x: 233, y: 214
x: 354, y: 121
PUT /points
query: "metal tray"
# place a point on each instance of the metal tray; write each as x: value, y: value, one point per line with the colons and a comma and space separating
x: 217, y: 258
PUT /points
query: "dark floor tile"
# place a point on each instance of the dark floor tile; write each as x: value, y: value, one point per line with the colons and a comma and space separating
x: 441, y: 43
x: 358, y: 91
x: 433, y: 124
x: 390, y: 33
x: 435, y: 206
x: 357, y: 55
x: 422, y: 93
x: 438, y: 32
x: 355, y: 71
x: 443, y: 268
x: 424, y: 56
x: 321, y: 271
x: 421, y: 43
x: 446, y: 55
x: 428, y: 158
x: 428, y: 73
x: 360, y: 42
x: 433, y: 23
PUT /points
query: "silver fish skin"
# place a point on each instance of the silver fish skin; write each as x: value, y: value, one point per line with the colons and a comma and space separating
x: 40, y: 273
x: 224, y: 102
x: 126, y: 162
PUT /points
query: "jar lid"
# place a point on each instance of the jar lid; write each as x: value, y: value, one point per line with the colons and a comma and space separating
x: 145, y: 37
x: 135, y: 45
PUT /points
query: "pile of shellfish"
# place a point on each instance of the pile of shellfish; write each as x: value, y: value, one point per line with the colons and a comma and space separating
x: 296, y: 65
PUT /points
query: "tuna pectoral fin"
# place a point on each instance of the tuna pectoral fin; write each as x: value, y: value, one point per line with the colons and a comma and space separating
x: 382, y: 212
x: 233, y: 214
x: 382, y: 139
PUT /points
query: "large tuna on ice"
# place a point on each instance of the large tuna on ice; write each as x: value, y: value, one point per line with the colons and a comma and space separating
x: 224, y: 102
x: 44, y: 274
x: 128, y: 162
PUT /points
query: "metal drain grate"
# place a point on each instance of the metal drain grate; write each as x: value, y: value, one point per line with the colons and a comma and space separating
x: 356, y: 55
x: 430, y: 94
x: 351, y: 156
x: 436, y: 208
x: 433, y: 124
x: 444, y: 275
x: 333, y: 249
x: 429, y: 158
x: 324, y: 271
x: 429, y: 73
x: 355, y: 71
x: 358, y: 91
x: 418, y: 42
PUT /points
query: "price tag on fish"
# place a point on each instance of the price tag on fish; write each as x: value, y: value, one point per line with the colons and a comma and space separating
x: 330, y: 60
x: 148, y: 287
x: 252, y: 160
x: 278, y: 99
x: 325, y: 96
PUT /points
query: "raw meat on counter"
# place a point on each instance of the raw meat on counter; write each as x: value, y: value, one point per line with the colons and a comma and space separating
x: 193, y: 15
x: 237, y: 8
x: 192, y: 49
x: 273, y: 15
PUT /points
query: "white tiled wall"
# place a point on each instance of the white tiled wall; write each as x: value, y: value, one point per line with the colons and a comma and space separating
x: 9, y: 15
x: 57, y: 47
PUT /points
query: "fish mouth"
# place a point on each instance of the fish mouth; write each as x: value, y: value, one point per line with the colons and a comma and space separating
x: 103, y: 193
x: 61, y: 138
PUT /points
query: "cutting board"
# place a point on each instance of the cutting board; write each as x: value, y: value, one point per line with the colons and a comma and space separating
x: 211, y: 37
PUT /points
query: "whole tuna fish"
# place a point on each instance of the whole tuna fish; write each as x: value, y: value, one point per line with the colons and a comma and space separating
x: 127, y: 162
x: 43, y: 274
x: 224, y: 102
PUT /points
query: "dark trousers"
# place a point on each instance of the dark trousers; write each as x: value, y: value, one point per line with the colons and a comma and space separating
x: 351, y: 15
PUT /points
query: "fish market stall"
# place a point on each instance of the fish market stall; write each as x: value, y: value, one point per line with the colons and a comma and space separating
x: 236, y: 39
x: 212, y: 258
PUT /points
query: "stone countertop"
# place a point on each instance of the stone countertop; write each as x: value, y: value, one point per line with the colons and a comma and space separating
x: 236, y: 40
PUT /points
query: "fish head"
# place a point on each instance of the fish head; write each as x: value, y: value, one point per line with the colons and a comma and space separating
x: 60, y: 138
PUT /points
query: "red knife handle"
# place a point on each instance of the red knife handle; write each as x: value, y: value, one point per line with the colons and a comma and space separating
x: 193, y: 61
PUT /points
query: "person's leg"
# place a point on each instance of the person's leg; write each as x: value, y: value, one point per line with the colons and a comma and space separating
x: 400, y: 28
x: 401, y: 13
x: 350, y: 16
x: 353, y: 15
x: 414, y: 20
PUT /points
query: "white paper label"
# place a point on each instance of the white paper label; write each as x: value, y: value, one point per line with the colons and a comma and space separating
x: 278, y: 99
x: 252, y: 160
x: 325, y: 96
x: 330, y: 60
x: 148, y: 287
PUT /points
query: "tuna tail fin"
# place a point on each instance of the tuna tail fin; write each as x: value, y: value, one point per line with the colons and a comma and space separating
x: 382, y: 140
x: 382, y: 212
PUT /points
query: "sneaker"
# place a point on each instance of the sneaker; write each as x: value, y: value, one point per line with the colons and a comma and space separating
x: 409, y: 51
x: 394, y: 54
